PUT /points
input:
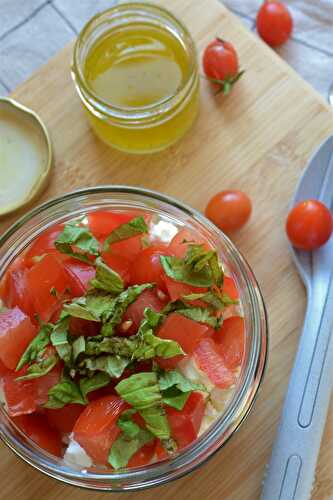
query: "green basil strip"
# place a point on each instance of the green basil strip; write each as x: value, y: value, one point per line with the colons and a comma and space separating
x: 36, y: 346
x: 125, y: 231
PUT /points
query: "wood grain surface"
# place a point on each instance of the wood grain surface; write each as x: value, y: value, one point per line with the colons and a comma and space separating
x: 258, y: 139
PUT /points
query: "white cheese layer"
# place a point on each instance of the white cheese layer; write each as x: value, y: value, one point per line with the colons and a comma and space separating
x: 75, y: 456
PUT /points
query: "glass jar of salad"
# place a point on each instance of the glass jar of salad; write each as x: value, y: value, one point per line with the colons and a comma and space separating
x: 133, y: 338
x: 135, y: 70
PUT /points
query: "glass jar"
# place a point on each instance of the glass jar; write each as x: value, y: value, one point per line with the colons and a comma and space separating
x: 138, y: 128
x: 169, y: 211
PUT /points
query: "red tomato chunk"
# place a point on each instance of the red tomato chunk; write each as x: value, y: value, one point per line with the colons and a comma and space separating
x: 16, y: 291
x: 16, y: 333
x: 179, y: 243
x: 177, y: 290
x: 230, y: 340
x: 25, y: 396
x: 79, y: 274
x: 186, y: 332
x: 49, y: 273
x: 37, y: 429
x: 134, y: 312
x: 119, y: 264
x: 185, y: 423
x: 96, y: 429
x: 230, y: 288
x: 20, y: 395
x: 43, y: 244
x: 147, y: 267
x: 64, y: 419
x: 103, y: 222
x: 209, y: 361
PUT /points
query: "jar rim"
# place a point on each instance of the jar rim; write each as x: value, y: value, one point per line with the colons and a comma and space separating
x: 104, y: 108
x: 224, y: 427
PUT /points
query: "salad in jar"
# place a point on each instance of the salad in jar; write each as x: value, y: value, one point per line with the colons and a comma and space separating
x: 121, y: 339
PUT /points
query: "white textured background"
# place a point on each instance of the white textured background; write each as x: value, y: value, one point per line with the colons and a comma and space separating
x: 32, y: 31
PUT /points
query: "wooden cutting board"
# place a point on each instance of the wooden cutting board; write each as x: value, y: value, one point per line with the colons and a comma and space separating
x: 258, y: 139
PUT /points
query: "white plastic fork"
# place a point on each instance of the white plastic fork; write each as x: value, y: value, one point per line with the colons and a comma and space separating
x: 290, y: 474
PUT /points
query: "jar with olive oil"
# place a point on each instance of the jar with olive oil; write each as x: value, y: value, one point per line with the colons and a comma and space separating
x: 136, y: 72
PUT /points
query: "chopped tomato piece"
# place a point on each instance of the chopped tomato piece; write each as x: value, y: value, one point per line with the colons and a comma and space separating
x: 209, y: 360
x: 80, y: 274
x: 42, y: 278
x: 103, y: 222
x: 135, y: 311
x: 186, y: 332
x: 84, y: 327
x: 44, y: 384
x: 119, y: 264
x: 230, y: 340
x: 185, y: 423
x: 24, y: 396
x: 96, y: 429
x: 230, y: 288
x: 20, y: 394
x: 64, y: 419
x: 176, y: 290
x: 147, y: 267
x: 16, y: 333
x: 179, y: 243
x: 38, y: 430
x: 129, y: 248
x: 43, y: 244
x: 3, y: 369
x: 143, y: 456
x: 161, y: 454
x: 16, y: 291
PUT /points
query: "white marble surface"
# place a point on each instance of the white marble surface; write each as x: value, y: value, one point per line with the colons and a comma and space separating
x: 32, y: 31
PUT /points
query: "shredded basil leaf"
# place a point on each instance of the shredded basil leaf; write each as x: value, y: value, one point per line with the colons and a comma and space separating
x: 37, y: 345
x: 89, y: 384
x: 78, y: 346
x: 81, y: 238
x: 125, y: 231
x: 40, y: 369
x: 125, y: 447
x: 63, y: 393
x: 106, y: 279
x: 127, y: 425
x: 175, y: 378
x: 175, y: 398
x: 114, y: 315
x: 113, y: 365
x: 59, y: 339
x: 142, y: 391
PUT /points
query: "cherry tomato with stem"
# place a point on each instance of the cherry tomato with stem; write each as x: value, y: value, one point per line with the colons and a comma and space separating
x: 274, y: 23
x: 229, y: 210
x: 220, y: 64
x: 309, y: 225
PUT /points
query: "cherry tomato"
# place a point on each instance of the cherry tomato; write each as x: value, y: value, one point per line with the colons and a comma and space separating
x: 229, y: 210
x: 309, y: 225
x: 274, y: 22
x: 220, y: 64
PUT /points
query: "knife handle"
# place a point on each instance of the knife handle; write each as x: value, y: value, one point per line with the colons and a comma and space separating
x: 291, y: 470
